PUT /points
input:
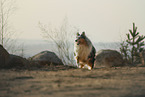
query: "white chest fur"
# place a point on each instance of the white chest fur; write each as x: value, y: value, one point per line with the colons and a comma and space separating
x: 82, y: 51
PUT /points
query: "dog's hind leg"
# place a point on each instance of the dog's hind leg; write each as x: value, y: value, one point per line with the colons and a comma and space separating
x: 90, y: 64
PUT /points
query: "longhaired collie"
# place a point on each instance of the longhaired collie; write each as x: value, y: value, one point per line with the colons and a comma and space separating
x: 84, y: 52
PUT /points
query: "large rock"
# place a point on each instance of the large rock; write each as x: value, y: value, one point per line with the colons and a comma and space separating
x: 4, y: 57
x: 46, y: 57
x: 9, y: 61
x: 108, y: 58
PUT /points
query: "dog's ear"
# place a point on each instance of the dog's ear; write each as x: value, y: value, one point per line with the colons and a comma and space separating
x: 83, y: 33
x: 78, y: 34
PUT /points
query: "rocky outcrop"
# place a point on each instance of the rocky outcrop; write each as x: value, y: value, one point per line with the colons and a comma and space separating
x: 46, y: 58
x: 13, y: 61
x: 108, y: 58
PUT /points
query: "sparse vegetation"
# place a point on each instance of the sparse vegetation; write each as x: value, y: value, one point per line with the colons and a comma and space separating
x: 132, y: 47
x: 65, y: 82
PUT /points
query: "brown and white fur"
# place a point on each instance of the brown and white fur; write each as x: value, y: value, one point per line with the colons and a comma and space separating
x: 84, y: 52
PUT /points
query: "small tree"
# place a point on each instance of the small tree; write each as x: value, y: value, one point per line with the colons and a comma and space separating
x: 134, y: 45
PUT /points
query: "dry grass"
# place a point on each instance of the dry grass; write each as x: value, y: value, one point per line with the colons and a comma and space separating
x: 103, y: 82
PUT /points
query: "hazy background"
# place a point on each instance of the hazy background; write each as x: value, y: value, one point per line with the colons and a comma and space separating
x: 103, y: 20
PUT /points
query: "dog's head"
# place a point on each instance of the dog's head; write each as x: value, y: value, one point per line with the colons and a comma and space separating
x: 81, y: 39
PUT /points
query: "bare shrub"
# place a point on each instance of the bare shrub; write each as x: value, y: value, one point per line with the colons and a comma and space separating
x: 61, y: 37
x: 7, y: 35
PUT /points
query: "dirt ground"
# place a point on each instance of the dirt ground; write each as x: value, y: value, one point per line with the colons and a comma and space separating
x: 70, y: 82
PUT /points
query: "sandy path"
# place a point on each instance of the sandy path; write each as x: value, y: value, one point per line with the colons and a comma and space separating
x: 120, y: 82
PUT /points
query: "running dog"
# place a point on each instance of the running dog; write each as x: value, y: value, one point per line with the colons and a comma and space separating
x: 84, y: 52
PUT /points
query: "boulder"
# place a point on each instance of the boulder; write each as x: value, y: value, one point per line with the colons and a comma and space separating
x: 9, y: 61
x: 46, y: 58
x: 108, y: 58
x: 4, y: 57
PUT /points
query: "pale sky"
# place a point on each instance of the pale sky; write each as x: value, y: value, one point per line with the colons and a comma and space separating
x: 103, y: 20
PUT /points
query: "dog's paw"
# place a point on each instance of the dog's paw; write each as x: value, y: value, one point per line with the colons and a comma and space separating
x: 89, y: 68
x: 79, y: 66
x: 86, y: 66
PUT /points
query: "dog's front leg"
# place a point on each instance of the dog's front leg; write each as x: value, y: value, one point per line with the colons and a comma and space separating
x: 77, y: 61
